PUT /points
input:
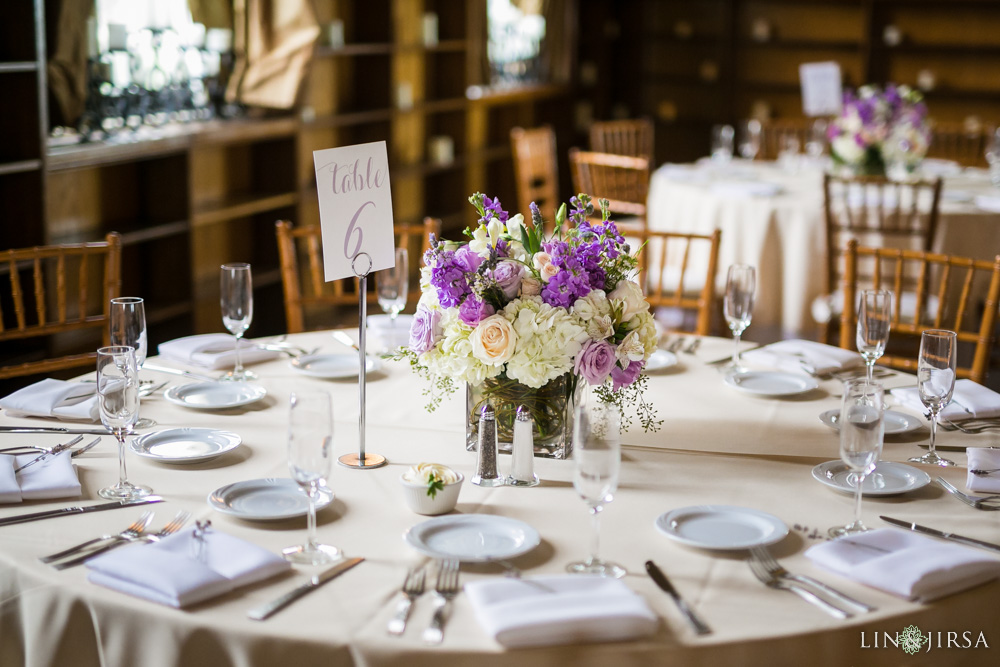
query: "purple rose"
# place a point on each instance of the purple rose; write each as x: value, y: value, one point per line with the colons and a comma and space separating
x: 425, y: 330
x: 467, y: 259
x: 594, y: 361
x: 474, y: 310
x: 623, y: 377
x: 508, y: 277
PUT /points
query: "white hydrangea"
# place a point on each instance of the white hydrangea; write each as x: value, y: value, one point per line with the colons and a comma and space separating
x: 847, y: 149
x: 548, y: 339
x: 452, y: 356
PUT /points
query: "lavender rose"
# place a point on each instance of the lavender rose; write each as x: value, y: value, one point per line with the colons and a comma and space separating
x: 623, y: 377
x: 425, y: 330
x: 595, y: 360
x: 467, y: 259
x: 508, y: 277
x: 474, y: 310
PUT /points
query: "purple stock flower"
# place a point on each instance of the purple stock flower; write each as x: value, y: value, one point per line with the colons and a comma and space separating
x: 493, y: 210
x: 468, y: 260
x: 508, y: 277
x: 623, y: 377
x: 425, y: 329
x: 594, y: 361
x: 474, y: 310
x: 448, y: 277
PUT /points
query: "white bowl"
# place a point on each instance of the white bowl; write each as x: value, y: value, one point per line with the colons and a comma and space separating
x: 444, y: 501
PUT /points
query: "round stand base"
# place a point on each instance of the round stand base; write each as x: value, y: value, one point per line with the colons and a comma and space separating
x: 932, y: 459
x: 125, y: 491
x: 355, y: 461
x: 301, y: 554
x: 598, y: 567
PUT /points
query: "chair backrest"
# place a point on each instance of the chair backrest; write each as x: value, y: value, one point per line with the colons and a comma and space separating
x: 621, y: 179
x: 307, y: 294
x: 930, y: 291
x: 632, y: 137
x: 958, y: 142
x: 678, y: 270
x: 48, y: 291
x: 773, y: 134
x: 536, y: 173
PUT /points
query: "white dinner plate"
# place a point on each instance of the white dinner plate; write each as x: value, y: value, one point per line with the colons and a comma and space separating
x: 895, y: 422
x: 184, y: 445
x: 661, y: 359
x: 269, y: 499
x: 771, y: 383
x: 721, y: 527
x: 888, y: 479
x: 215, y: 395
x: 472, y: 538
x: 332, y: 366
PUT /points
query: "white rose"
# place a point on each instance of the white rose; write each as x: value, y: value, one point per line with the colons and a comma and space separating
x: 632, y: 300
x: 493, y: 340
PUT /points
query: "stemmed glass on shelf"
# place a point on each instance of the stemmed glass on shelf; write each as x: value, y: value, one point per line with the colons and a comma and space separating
x: 310, y: 453
x: 596, y: 462
x: 236, y: 300
x: 861, y: 434
x: 393, y: 285
x: 874, y: 320
x: 127, y: 319
x: 749, y: 139
x: 741, y: 285
x: 118, y: 398
x: 936, y: 383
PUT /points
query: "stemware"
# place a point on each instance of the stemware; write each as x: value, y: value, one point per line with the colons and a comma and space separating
x: 874, y: 321
x: 741, y: 281
x: 236, y: 300
x: 862, y: 427
x: 596, y: 462
x: 993, y: 157
x: 118, y: 398
x: 788, y: 152
x: 936, y: 383
x: 816, y: 145
x: 749, y: 139
x: 722, y: 143
x: 310, y: 453
x: 393, y: 285
x: 127, y: 318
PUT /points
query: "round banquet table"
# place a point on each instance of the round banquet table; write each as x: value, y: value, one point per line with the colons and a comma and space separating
x: 716, y: 446
x: 772, y: 218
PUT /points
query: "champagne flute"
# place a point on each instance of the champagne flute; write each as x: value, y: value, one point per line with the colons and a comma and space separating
x: 596, y: 462
x: 127, y: 319
x: 393, y: 285
x: 749, y: 140
x: 310, y: 452
x: 722, y: 143
x: 741, y: 281
x: 237, y: 311
x: 936, y: 383
x: 862, y: 429
x: 118, y: 396
x: 874, y: 321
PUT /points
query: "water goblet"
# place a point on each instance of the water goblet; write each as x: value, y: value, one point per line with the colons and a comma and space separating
x: 722, y: 143
x: 749, y: 139
x: 596, y: 462
x: 393, y: 286
x: 788, y: 153
x: 236, y: 300
x: 127, y: 318
x: 936, y: 383
x: 310, y: 453
x: 118, y: 398
x: 862, y: 429
x: 874, y: 321
x: 741, y: 281
x: 816, y: 145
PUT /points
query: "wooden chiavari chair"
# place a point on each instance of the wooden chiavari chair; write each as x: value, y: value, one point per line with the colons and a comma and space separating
x: 677, y: 270
x: 622, y: 180
x: 536, y: 172
x: 632, y: 137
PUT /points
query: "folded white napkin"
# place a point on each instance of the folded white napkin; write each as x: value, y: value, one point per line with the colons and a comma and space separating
x: 988, y: 203
x: 176, y: 572
x: 582, y: 609
x: 54, y: 398
x: 984, y: 458
x: 906, y: 564
x: 213, y: 351
x: 746, y: 189
x: 803, y: 356
x: 55, y: 477
x: 969, y: 400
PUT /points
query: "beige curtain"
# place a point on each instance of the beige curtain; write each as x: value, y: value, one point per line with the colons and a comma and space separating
x: 67, y: 64
x: 274, y: 42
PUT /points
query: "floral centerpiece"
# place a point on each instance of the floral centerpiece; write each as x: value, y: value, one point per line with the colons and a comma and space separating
x: 879, y: 127
x: 527, y: 320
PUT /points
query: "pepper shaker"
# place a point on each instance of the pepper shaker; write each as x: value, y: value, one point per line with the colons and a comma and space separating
x: 486, y: 469
x: 522, y: 452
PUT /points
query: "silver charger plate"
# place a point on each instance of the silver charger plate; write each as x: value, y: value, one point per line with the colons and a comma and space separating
x: 771, y: 383
x: 269, y: 499
x: 895, y: 422
x: 215, y: 395
x: 721, y: 527
x: 332, y: 366
x: 888, y: 478
x: 184, y: 445
x: 472, y: 538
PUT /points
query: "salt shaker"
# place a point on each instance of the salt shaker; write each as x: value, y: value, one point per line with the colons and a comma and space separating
x: 522, y: 459
x: 486, y: 470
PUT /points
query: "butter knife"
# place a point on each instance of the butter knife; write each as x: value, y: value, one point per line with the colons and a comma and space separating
x: 664, y: 583
x: 345, y: 339
x: 264, y: 611
x: 78, y: 509
x: 916, y: 527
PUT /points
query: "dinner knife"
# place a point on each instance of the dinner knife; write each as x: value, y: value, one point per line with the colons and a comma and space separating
x: 78, y: 509
x: 265, y: 611
x: 664, y: 583
x: 916, y: 527
x: 54, y: 429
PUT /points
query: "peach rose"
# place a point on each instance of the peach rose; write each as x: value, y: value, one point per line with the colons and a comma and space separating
x: 548, y: 271
x: 493, y: 341
x: 541, y: 259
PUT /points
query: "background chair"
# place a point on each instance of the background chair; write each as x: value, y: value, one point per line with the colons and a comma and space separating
x: 678, y: 271
x: 308, y: 296
x: 55, y: 300
x: 775, y: 133
x: 622, y: 180
x: 959, y: 142
x: 949, y: 292
x: 536, y: 173
x: 632, y: 137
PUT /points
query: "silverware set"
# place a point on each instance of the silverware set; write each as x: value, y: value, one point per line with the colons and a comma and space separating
x: 413, y: 588
x: 986, y: 503
x: 682, y: 344
x: 972, y: 425
x: 134, y: 532
x: 45, y: 452
x: 445, y: 589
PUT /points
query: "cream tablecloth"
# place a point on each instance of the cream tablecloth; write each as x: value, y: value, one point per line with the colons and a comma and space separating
x: 717, y: 446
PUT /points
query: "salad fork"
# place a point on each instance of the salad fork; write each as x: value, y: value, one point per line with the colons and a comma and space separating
x: 172, y: 527
x: 772, y: 581
x: 445, y: 589
x: 986, y: 503
x: 775, y: 569
x: 413, y: 587
x: 133, y: 530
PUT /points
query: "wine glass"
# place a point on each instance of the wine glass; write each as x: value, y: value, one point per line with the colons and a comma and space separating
x: 741, y: 281
x: 596, y: 461
x: 749, y: 139
x: 310, y: 453
x: 788, y: 152
x: 862, y: 428
x: 874, y: 321
x: 118, y: 396
x: 936, y: 383
x: 127, y: 318
x: 816, y: 145
x: 393, y: 285
x: 993, y: 156
x: 237, y: 311
x: 722, y: 143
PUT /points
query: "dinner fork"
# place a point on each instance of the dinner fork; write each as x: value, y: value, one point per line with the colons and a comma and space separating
x: 979, y: 502
x: 413, y: 587
x: 133, y: 530
x: 775, y: 569
x: 54, y: 450
x: 30, y: 449
x: 772, y: 581
x: 445, y: 589
x: 172, y: 527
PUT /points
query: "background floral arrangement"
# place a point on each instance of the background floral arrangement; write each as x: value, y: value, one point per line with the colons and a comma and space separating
x: 877, y: 127
x: 510, y: 304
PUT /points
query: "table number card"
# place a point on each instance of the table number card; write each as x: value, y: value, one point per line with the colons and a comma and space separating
x: 355, y: 208
x: 822, y: 88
